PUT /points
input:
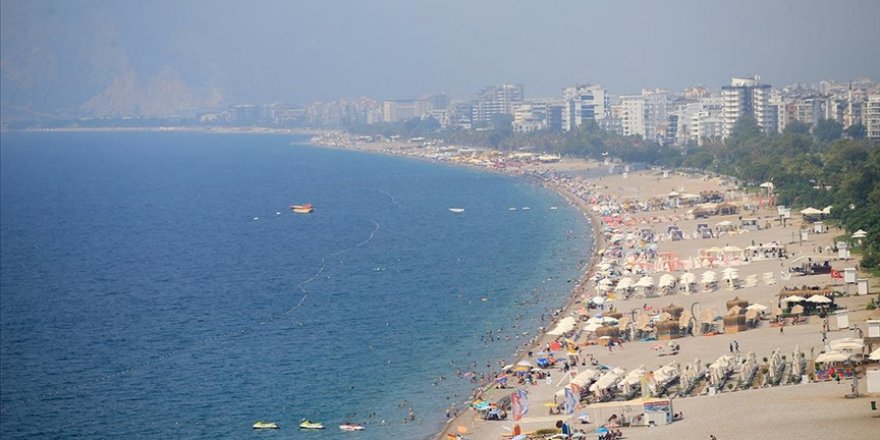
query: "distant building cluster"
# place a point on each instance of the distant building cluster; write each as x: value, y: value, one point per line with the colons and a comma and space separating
x: 692, y: 116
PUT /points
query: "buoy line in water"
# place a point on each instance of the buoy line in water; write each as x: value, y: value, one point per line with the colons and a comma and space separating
x: 195, y: 345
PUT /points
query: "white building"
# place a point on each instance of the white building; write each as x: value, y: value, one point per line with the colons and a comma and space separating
x: 871, y: 116
x: 495, y: 100
x: 529, y: 117
x: 632, y: 115
x: 581, y: 103
x: 747, y: 96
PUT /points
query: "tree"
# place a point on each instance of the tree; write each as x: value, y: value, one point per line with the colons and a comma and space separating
x: 796, y: 127
x: 827, y: 130
x: 856, y: 131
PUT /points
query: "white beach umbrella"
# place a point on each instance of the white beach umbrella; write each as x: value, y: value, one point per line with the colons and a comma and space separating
x: 687, y: 278
x: 598, y: 300
x: 666, y: 280
x: 793, y: 298
x: 875, y: 355
x: 819, y: 299
x: 730, y: 274
x: 645, y: 281
x: 624, y: 284
x: 859, y: 234
x: 604, y: 284
x: 811, y: 211
x: 832, y: 356
x: 709, y: 276
x: 756, y: 307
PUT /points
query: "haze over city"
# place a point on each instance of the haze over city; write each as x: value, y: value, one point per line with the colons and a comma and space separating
x: 96, y: 57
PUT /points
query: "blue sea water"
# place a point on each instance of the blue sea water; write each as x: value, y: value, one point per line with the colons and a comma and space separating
x: 155, y: 285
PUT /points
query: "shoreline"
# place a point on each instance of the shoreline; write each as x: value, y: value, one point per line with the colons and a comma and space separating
x: 762, y: 339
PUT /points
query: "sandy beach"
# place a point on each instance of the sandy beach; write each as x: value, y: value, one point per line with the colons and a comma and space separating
x: 815, y: 409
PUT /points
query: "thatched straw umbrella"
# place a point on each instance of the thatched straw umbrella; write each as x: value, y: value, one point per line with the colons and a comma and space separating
x: 609, y: 331
x: 734, y: 323
x: 673, y: 310
x: 737, y: 302
x: 668, y: 329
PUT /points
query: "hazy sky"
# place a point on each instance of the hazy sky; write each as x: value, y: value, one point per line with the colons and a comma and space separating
x: 299, y: 51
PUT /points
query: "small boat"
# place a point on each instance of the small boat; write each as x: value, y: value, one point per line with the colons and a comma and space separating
x: 265, y: 425
x: 511, y: 209
x: 456, y: 210
x: 302, y: 209
x: 526, y: 208
x: 306, y: 424
x: 351, y: 427
x: 553, y: 208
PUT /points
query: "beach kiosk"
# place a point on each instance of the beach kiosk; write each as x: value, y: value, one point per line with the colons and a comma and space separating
x: 849, y: 275
x: 658, y: 412
x: 842, y: 319
x: 842, y: 250
x: 749, y: 224
x: 863, y: 286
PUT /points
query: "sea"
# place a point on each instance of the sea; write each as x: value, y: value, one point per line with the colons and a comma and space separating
x: 156, y: 285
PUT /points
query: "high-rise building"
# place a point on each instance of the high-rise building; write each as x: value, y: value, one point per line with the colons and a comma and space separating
x: 871, y: 116
x: 656, y: 114
x: 747, y: 96
x: 495, y: 100
x: 582, y: 103
x: 632, y: 115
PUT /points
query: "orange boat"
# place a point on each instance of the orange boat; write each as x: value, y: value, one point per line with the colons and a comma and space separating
x: 302, y: 209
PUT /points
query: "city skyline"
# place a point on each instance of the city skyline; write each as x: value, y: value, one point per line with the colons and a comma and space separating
x: 99, y: 58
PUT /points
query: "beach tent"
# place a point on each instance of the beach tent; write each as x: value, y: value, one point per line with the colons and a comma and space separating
x: 819, y: 299
x: 565, y: 325
x: 847, y: 344
x: 832, y: 356
x: 757, y: 307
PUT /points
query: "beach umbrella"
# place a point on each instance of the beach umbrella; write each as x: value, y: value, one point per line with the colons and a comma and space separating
x: 624, y: 284
x: 598, y: 300
x: 645, y: 282
x: 819, y: 299
x: 666, y: 280
x: 832, y: 356
x: 793, y: 298
x: 875, y: 355
x: 523, y: 366
x: 859, y: 234
x: 687, y: 278
x: 731, y: 249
